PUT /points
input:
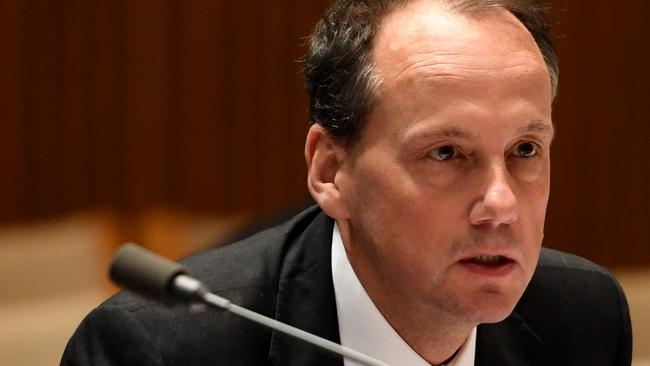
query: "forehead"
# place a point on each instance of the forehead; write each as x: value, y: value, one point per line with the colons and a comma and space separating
x: 425, y: 39
x: 441, y: 69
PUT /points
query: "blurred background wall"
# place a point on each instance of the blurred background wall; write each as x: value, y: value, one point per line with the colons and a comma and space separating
x: 174, y: 123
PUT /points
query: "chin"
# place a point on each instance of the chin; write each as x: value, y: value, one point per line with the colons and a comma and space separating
x: 491, y: 307
x: 494, y: 316
x: 487, y: 315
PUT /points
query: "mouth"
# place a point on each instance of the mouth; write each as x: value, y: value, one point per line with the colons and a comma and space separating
x: 489, y: 265
x: 488, y: 260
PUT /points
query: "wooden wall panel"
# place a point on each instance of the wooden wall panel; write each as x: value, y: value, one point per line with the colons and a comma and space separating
x: 147, y: 109
x: 200, y: 106
x: 74, y: 140
x: 273, y: 115
x: 242, y: 85
x: 600, y: 192
x: 42, y: 117
x: 107, y: 103
x: 199, y: 103
x: 12, y: 106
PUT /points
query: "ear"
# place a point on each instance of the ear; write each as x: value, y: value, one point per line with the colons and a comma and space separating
x: 324, y: 156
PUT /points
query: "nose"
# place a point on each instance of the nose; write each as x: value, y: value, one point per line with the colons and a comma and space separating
x: 498, y: 203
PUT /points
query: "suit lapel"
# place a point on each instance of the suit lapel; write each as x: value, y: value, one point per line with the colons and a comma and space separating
x: 306, y: 296
x: 508, y: 343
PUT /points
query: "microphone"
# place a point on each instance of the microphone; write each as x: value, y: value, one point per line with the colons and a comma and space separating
x: 145, y: 273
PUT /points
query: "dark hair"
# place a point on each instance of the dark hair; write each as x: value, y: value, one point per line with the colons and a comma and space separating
x: 341, y: 81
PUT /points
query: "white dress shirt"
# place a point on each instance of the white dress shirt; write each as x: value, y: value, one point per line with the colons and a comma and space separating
x: 362, y: 327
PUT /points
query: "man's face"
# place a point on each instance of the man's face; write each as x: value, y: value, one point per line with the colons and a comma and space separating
x: 446, y: 191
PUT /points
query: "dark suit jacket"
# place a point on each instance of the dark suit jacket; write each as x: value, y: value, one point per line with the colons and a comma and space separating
x: 572, y: 313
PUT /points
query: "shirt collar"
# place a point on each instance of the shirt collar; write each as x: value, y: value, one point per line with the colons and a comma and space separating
x: 362, y: 327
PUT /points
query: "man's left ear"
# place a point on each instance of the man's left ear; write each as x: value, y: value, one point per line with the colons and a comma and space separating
x: 325, y: 156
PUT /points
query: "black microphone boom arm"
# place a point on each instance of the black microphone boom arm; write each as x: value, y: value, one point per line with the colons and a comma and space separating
x: 145, y: 273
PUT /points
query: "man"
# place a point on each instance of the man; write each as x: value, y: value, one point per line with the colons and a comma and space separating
x: 429, y: 158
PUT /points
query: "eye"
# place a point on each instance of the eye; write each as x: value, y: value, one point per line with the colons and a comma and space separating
x: 526, y: 150
x: 444, y: 153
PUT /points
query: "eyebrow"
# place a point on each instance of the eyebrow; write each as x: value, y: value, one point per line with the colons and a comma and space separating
x: 538, y: 126
x: 445, y: 132
x: 414, y: 137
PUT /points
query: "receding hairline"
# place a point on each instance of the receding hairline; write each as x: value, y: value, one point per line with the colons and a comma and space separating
x: 466, y: 9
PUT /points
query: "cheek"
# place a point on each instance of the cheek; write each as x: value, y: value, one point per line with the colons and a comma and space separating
x: 534, y: 171
x: 437, y: 177
x: 532, y: 202
x: 532, y: 215
x: 395, y: 211
x: 533, y: 185
x: 538, y: 194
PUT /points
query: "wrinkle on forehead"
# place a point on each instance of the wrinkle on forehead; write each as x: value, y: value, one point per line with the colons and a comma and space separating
x: 458, y: 67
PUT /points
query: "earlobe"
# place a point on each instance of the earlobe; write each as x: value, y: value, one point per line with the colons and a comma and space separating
x: 325, y: 156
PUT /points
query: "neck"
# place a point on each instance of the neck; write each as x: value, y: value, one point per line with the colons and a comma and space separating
x: 435, y: 335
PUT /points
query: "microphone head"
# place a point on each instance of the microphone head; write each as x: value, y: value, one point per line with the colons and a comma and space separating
x: 145, y: 273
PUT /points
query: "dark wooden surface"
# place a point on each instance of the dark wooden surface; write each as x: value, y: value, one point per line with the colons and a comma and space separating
x: 199, y: 106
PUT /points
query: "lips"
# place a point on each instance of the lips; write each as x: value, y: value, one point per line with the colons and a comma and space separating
x: 488, y: 260
x: 488, y: 265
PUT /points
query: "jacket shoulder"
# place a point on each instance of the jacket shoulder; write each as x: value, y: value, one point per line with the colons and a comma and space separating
x: 577, y: 308
x: 130, y: 330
